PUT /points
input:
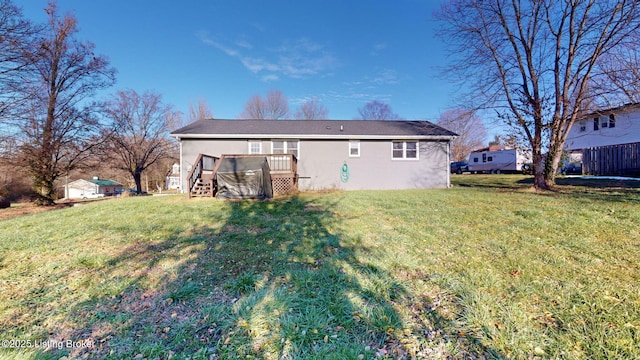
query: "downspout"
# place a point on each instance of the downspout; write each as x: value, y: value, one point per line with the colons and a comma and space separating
x: 448, y: 164
x: 181, y: 169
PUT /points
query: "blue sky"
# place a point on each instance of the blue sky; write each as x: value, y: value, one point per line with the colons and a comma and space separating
x: 345, y: 53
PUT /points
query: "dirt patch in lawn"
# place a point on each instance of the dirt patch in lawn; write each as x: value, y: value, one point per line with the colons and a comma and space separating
x: 21, y: 209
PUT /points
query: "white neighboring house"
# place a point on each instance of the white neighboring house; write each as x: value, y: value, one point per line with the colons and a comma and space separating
x: 93, y: 188
x: 173, y: 178
x: 607, y: 142
x: 496, y: 159
x: 614, y: 126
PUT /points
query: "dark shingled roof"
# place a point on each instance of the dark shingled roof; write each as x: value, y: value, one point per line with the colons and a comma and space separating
x: 310, y: 128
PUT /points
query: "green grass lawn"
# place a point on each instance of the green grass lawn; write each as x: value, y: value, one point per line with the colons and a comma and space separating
x: 486, y: 269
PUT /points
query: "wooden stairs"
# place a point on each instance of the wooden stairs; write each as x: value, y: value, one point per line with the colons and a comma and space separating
x: 202, y: 188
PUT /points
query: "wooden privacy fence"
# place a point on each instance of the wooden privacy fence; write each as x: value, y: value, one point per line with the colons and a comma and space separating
x: 618, y: 160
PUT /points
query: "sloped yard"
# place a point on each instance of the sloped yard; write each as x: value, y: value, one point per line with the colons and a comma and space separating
x: 486, y: 269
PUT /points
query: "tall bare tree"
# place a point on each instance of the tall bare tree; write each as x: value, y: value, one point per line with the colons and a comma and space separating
x: 312, y: 110
x: 199, y: 111
x: 619, y: 69
x: 57, y: 127
x: 16, y: 34
x: 274, y: 107
x: 471, y: 132
x: 139, y: 132
x: 377, y: 110
x: 532, y: 61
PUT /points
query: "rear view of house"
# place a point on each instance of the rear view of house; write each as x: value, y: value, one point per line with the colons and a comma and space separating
x: 326, y: 154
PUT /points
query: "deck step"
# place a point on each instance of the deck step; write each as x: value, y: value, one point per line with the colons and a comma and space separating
x: 202, y: 188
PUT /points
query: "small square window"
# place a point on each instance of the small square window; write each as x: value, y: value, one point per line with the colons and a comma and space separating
x: 354, y: 148
x: 255, y: 147
x: 490, y: 158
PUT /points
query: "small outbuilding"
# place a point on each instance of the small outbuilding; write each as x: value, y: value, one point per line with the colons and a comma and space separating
x: 86, y: 188
x: 243, y: 178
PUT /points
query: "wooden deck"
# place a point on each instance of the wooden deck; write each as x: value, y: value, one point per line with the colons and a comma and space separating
x: 283, y: 170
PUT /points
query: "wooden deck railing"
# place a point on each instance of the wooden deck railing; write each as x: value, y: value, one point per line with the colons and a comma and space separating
x: 278, y: 163
x: 203, y: 163
x: 283, y: 167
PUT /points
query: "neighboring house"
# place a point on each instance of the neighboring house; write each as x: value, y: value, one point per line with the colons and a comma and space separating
x: 615, y: 126
x: 82, y: 188
x: 173, y: 178
x: 330, y: 154
x: 606, y: 142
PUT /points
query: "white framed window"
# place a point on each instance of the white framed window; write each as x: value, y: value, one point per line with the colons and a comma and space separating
x: 404, y: 150
x: 255, y: 147
x: 286, y: 147
x: 583, y: 126
x: 612, y: 121
x: 354, y: 148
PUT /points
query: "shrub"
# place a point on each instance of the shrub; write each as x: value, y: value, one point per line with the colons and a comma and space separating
x: 4, y: 202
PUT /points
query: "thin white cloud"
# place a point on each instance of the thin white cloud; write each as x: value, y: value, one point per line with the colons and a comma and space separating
x: 244, y: 44
x: 297, y: 59
x: 386, y: 77
x: 355, y: 97
x: 380, y: 46
x: 270, y: 77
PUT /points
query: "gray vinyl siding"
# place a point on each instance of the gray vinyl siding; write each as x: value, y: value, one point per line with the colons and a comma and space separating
x: 320, y: 163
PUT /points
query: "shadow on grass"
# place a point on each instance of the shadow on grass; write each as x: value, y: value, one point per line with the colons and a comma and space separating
x: 608, y: 190
x: 272, y: 280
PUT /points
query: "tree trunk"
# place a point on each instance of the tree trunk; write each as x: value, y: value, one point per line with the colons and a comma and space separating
x: 137, y: 177
x: 46, y: 192
x: 539, y: 179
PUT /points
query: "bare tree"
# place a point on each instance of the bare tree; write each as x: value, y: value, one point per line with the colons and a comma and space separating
x: 532, y: 61
x: 274, y: 107
x: 471, y: 132
x: 199, y: 111
x: 57, y: 127
x: 377, y: 110
x: 619, y: 69
x: 16, y: 34
x: 312, y: 110
x: 139, y: 132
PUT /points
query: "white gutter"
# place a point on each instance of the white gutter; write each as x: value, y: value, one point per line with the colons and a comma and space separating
x: 311, y: 136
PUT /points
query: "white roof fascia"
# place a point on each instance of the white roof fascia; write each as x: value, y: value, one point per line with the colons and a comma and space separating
x: 310, y: 136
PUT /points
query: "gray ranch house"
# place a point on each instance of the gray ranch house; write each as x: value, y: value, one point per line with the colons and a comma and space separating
x: 322, y: 154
